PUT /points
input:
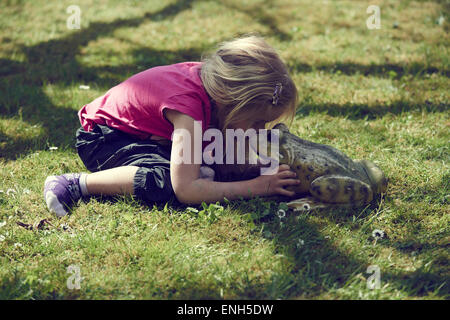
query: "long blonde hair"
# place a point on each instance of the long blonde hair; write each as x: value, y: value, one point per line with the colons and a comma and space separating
x: 241, y: 77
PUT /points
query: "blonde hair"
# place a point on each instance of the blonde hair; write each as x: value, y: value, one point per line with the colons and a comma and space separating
x: 241, y: 77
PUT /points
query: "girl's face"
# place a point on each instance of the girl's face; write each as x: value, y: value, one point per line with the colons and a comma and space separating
x: 259, y: 121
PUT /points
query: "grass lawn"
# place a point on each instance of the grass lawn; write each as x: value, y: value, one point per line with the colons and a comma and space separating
x: 380, y: 94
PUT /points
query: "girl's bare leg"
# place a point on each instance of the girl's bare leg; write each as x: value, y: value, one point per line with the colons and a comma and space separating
x: 115, y: 181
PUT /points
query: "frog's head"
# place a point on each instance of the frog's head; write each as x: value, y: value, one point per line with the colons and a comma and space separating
x: 271, y: 146
x: 283, y: 129
x: 376, y: 176
x: 285, y: 139
x: 261, y: 154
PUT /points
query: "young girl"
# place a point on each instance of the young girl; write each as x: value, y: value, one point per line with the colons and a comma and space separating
x: 126, y: 135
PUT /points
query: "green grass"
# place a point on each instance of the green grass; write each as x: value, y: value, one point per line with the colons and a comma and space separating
x: 376, y: 94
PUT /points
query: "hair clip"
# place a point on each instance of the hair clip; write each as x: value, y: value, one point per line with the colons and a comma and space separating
x: 277, y: 93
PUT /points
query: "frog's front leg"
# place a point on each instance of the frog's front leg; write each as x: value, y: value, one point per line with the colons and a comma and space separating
x: 307, y: 204
x: 310, y: 203
x: 340, y: 189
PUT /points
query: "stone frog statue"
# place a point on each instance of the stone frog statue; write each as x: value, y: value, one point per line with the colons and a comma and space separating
x: 328, y: 177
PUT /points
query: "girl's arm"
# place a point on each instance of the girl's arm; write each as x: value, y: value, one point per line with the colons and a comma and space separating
x: 189, y: 189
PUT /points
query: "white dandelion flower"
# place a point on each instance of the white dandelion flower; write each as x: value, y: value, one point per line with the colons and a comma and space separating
x: 281, y: 213
x: 378, y: 234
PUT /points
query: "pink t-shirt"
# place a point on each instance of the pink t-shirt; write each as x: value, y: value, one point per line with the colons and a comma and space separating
x: 136, y: 105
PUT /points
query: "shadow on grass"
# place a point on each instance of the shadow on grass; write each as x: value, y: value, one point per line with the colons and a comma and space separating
x: 262, y: 14
x: 55, y: 62
x: 432, y: 275
x: 355, y: 111
x: 386, y: 70
x: 319, y: 266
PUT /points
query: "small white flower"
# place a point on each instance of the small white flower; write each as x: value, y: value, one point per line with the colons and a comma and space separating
x: 2, y: 238
x: 84, y: 87
x: 300, y: 243
x: 2, y: 224
x: 17, y: 244
x: 378, y: 234
x: 281, y: 213
x: 52, y: 148
x: 10, y: 192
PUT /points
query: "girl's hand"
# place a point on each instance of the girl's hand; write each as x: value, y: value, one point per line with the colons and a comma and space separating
x: 274, y: 184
